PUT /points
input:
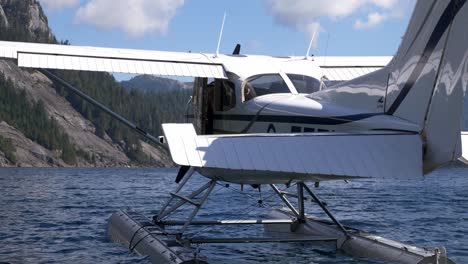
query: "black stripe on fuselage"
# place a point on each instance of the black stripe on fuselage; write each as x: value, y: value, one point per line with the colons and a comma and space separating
x: 297, y: 119
x: 444, y: 22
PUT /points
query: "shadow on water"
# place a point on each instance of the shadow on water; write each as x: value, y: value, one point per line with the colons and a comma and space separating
x: 60, y: 215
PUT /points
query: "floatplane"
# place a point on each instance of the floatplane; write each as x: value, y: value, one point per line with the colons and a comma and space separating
x: 268, y: 121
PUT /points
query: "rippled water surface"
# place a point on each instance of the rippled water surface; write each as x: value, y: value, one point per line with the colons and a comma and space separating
x: 60, y: 215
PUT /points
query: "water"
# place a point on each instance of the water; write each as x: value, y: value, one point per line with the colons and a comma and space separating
x: 60, y: 215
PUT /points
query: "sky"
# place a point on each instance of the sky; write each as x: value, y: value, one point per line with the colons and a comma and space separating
x: 269, y: 27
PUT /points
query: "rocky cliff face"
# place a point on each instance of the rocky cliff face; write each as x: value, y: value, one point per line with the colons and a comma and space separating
x: 30, y: 10
x: 38, y: 21
x: 100, y: 151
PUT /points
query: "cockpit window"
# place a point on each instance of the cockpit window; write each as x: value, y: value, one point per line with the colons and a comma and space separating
x: 305, y: 84
x: 264, y: 84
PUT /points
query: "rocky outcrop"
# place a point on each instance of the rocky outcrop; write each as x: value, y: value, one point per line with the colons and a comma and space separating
x: 28, y: 152
x: 4, y: 162
x: 27, y: 15
x: 37, y: 20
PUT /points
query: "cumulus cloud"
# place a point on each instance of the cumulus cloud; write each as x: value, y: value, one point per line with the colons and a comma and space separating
x: 59, y: 4
x: 305, y: 14
x: 373, y: 19
x: 136, y: 17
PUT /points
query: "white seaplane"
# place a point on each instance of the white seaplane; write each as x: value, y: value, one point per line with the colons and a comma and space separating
x: 400, y: 121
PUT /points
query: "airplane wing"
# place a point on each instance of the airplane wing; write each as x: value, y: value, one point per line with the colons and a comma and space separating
x: 184, y: 64
x: 278, y: 158
x: 64, y: 57
x: 350, y: 67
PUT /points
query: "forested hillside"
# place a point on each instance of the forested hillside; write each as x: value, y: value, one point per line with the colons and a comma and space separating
x: 31, y: 118
x: 147, y: 109
x: 168, y: 97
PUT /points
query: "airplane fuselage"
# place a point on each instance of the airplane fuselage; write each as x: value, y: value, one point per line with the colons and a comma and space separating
x: 285, y: 103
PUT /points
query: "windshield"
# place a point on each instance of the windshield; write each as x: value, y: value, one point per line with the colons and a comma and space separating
x: 305, y: 84
x: 264, y: 84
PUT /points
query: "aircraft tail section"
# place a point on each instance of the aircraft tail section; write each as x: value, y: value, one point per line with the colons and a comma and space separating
x: 428, y: 77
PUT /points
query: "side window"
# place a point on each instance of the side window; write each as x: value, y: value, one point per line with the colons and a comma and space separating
x: 304, y: 84
x: 264, y: 84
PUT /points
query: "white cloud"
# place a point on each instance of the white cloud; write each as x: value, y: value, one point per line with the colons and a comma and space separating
x: 136, y: 17
x: 373, y: 19
x: 59, y: 4
x: 305, y: 14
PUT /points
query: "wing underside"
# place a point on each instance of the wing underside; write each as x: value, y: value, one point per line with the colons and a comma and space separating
x: 282, y: 158
x: 63, y: 57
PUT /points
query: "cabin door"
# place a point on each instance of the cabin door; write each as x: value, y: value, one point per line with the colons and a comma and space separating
x: 203, y: 106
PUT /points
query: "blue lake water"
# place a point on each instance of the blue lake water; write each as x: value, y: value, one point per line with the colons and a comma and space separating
x: 60, y: 215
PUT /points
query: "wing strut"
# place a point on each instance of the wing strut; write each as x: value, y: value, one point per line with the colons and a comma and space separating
x: 90, y: 100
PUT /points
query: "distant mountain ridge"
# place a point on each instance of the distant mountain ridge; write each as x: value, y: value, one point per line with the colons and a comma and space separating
x: 150, y: 83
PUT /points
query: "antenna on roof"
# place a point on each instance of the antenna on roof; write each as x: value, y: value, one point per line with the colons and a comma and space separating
x: 310, y: 44
x: 220, y: 36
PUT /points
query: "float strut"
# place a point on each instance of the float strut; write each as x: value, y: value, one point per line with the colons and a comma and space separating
x: 210, y: 188
x: 182, y: 200
x: 281, y: 195
x: 300, y: 200
x: 187, y: 177
x: 324, y: 208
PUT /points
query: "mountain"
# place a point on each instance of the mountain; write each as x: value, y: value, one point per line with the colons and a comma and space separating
x: 170, y: 96
x: 42, y: 124
x: 150, y: 83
